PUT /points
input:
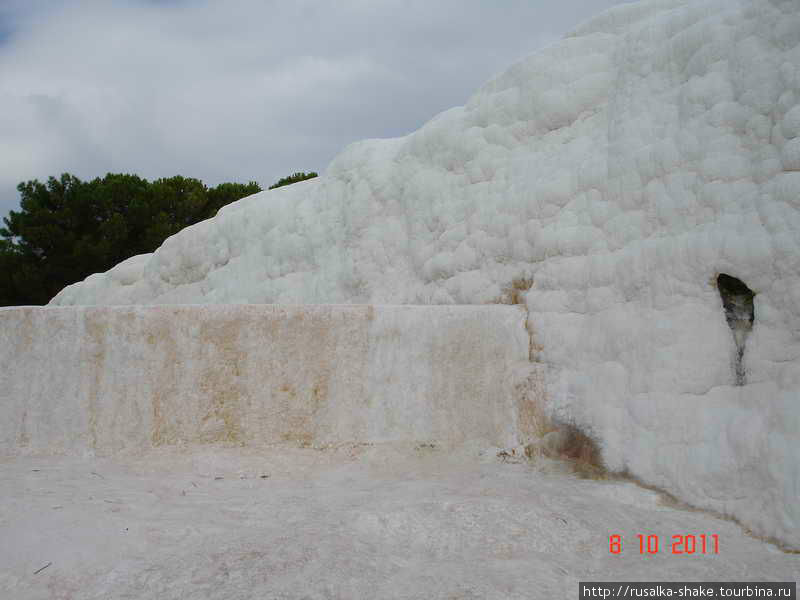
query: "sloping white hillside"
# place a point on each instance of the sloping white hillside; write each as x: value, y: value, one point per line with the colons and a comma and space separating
x: 622, y: 170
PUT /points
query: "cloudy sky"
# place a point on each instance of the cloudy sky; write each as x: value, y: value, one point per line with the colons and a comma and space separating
x: 241, y: 90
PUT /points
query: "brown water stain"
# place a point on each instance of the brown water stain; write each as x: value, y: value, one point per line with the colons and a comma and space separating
x: 220, y: 386
x: 96, y: 324
x: 164, y: 357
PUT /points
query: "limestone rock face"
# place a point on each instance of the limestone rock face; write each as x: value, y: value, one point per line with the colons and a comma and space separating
x: 622, y: 171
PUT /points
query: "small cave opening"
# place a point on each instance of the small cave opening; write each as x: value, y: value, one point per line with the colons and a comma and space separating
x: 737, y: 300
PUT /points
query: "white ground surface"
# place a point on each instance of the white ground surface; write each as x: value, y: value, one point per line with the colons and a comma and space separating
x: 354, y: 522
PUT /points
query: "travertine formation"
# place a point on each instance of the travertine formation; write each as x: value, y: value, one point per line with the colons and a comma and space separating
x: 104, y: 380
x: 620, y: 172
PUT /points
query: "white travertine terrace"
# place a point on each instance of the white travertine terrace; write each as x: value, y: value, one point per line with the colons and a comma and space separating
x: 108, y: 380
x: 621, y: 170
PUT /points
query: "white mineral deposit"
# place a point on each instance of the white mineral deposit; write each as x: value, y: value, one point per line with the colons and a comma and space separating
x: 353, y: 522
x: 632, y: 190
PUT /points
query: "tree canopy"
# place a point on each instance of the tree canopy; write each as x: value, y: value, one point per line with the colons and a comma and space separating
x: 293, y: 178
x: 67, y: 229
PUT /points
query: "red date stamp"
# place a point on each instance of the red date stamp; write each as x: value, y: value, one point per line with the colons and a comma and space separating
x: 678, y: 544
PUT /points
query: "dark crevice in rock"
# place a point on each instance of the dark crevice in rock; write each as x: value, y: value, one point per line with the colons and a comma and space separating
x: 737, y: 300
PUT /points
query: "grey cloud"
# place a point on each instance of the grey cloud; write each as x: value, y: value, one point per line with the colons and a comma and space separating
x: 242, y: 89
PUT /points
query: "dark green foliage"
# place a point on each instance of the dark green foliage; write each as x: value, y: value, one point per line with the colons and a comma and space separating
x: 68, y: 229
x: 293, y: 178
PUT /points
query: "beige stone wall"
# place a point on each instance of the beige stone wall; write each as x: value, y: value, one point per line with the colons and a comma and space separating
x: 104, y: 380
